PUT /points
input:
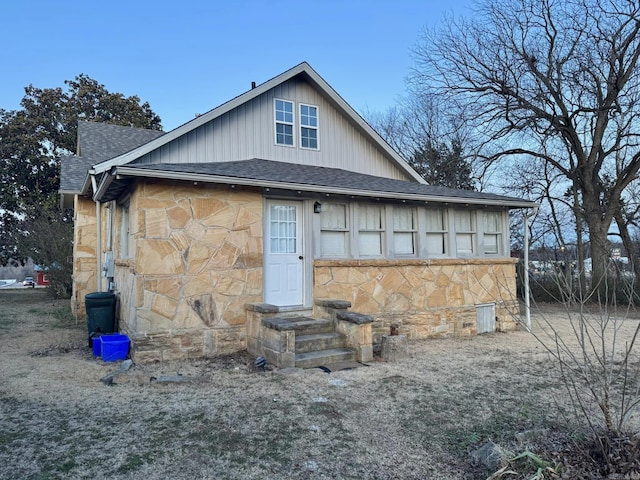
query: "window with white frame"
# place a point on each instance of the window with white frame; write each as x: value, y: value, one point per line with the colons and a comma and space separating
x: 308, y: 126
x: 492, y: 225
x: 284, y: 122
x: 405, y: 226
x: 124, y: 230
x: 334, y: 228
x: 370, y: 230
x: 436, y: 229
x: 465, y: 232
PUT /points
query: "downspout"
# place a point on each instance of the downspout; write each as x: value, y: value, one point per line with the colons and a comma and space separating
x: 98, y: 236
x: 527, y: 296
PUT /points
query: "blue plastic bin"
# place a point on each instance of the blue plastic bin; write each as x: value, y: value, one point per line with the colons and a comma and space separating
x: 96, y: 344
x: 114, y: 347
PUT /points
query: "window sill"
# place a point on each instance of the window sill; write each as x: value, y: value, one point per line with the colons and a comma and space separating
x: 377, y: 262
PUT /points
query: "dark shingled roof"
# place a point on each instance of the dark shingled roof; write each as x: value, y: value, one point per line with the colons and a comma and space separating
x: 260, y: 171
x: 99, y: 142
x: 73, y: 171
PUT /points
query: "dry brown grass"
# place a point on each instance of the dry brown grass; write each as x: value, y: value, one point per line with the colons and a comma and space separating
x: 414, y: 419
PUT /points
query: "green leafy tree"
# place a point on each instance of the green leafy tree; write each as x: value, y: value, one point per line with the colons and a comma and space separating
x: 31, y: 141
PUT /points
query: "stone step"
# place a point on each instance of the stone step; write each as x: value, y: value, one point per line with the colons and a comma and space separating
x: 324, y: 357
x: 319, y: 341
x: 295, y: 313
x: 301, y: 325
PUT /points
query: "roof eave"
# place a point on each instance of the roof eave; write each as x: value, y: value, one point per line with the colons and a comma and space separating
x: 131, y: 172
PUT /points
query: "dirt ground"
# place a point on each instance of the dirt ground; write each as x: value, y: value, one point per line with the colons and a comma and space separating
x: 418, y: 418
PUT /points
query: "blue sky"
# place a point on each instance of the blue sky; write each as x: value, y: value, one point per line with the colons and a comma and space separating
x: 187, y: 57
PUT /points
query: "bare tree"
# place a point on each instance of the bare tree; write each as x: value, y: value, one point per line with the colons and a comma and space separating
x: 552, y: 82
x: 430, y: 139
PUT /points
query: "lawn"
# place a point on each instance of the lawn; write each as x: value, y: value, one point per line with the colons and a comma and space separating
x: 418, y: 418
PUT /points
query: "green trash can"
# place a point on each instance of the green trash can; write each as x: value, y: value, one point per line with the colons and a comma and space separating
x: 101, y: 313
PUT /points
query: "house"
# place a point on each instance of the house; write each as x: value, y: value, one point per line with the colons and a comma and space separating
x: 278, y: 216
x: 42, y: 277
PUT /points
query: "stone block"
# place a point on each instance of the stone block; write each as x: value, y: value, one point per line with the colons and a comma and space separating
x: 178, y: 217
x: 159, y: 257
x: 155, y: 224
x: 229, y: 340
x: 195, y: 230
x: 225, y: 257
x: 394, y: 348
x: 164, y: 306
x: 198, y: 257
x: 205, y: 308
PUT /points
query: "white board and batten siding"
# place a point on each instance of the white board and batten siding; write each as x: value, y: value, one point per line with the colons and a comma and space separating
x: 247, y: 132
x: 486, y: 318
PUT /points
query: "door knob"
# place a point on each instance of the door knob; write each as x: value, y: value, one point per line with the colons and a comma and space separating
x: 300, y: 257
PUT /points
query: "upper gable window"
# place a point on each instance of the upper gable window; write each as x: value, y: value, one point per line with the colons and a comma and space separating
x: 308, y: 126
x: 284, y: 122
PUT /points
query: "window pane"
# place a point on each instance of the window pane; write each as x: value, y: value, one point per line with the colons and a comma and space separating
x: 491, y: 243
x: 333, y: 243
x: 436, y: 243
x: 370, y: 243
x: 403, y: 243
x: 309, y: 138
x: 284, y: 134
x: 370, y: 217
x: 464, y: 243
x: 491, y: 222
x: 435, y: 220
x: 333, y: 216
x: 308, y: 116
x: 404, y: 219
x: 464, y: 221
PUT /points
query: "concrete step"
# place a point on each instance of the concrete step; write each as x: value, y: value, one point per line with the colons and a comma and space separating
x: 319, y: 341
x: 324, y: 357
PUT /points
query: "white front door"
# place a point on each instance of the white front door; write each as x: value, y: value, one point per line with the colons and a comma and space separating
x: 284, y: 272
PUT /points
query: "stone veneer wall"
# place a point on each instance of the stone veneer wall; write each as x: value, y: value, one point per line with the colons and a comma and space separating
x: 197, y: 262
x: 85, y: 268
x: 425, y: 298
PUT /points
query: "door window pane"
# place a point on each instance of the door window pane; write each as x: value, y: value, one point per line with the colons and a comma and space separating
x: 283, y: 229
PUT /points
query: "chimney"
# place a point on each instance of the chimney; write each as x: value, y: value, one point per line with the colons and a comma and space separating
x: 253, y: 85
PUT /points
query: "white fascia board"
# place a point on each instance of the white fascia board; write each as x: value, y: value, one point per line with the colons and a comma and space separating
x: 103, y: 186
x: 87, y: 182
x: 126, y: 171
